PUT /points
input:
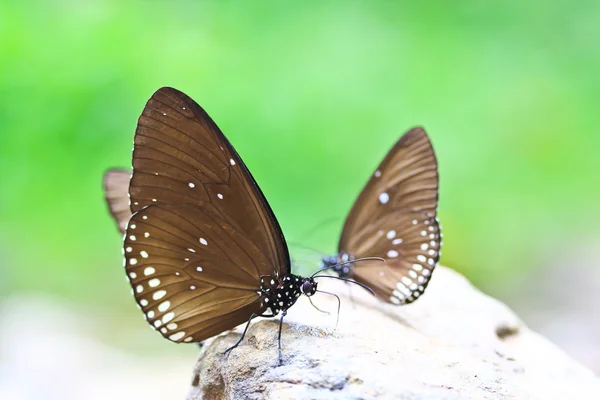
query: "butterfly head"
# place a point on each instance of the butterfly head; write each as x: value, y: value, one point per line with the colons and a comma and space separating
x: 308, y: 287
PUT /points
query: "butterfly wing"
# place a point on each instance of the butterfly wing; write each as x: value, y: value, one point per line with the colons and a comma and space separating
x: 200, y: 221
x: 394, y: 218
x: 116, y: 189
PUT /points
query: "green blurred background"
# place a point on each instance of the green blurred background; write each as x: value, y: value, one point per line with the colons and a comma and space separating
x: 312, y: 95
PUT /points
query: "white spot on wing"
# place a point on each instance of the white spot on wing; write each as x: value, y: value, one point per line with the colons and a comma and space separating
x: 177, y: 336
x: 391, y: 234
x: 231, y: 161
x: 149, y: 271
x: 168, y: 317
x: 159, y: 294
x: 164, y: 306
x: 203, y: 241
x: 191, y: 185
x: 144, y: 254
x: 392, y: 254
x: 384, y: 198
x: 154, y: 282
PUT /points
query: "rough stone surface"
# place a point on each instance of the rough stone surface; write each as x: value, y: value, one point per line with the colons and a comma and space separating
x: 453, y: 343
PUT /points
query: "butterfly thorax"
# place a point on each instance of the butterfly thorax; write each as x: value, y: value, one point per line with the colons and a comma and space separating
x: 280, y: 294
x: 341, y: 264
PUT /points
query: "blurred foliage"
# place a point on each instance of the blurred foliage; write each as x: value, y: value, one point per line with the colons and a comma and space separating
x: 312, y: 94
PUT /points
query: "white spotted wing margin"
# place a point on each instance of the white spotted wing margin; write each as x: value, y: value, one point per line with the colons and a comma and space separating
x: 203, y: 233
x: 116, y: 188
x: 394, y: 218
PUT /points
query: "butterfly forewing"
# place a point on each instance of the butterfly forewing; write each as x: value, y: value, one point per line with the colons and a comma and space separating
x: 181, y: 157
x: 394, y: 218
x: 116, y: 188
x: 202, y: 234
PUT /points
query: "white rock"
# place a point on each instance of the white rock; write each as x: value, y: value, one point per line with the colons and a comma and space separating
x: 453, y: 343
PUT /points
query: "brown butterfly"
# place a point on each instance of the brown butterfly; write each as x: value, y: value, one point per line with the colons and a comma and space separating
x: 203, y: 249
x: 394, y: 218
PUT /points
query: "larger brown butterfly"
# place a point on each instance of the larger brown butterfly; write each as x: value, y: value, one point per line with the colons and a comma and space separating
x: 203, y: 249
x: 394, y: 218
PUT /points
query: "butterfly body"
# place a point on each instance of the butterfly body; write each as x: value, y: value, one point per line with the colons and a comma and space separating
x: 280, y: 294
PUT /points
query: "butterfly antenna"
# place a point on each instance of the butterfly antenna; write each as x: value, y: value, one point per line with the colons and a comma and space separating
x: 302, y: 246
x: 348, y: 262
x: 362, y: 285
x: 337, y: 320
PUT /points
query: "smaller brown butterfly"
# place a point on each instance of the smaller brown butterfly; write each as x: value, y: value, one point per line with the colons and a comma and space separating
x: 394, y: 218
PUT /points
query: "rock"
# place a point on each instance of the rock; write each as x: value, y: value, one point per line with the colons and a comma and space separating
x: 453, y: 343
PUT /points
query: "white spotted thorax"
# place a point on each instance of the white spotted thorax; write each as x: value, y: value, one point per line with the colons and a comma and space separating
x: 280, y: 294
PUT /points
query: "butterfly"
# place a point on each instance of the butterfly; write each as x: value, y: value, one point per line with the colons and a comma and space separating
x: 203, y: 250
x: 394, y: 218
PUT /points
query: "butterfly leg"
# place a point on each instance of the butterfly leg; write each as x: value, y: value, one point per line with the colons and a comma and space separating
x: 338, y: 308
x: 350, y: 297
x: 279, y: 337
x: 317, y: 308
x: 243, y: 334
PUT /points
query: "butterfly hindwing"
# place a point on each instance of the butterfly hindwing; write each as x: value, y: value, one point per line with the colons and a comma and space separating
x: 193, y: 274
